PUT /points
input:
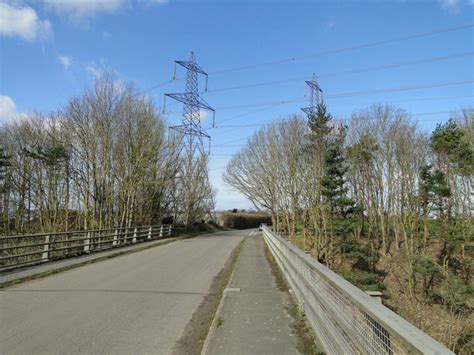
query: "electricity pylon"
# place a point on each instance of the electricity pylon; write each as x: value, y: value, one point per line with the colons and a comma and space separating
x: 194, y: 188
x: 315, y: 96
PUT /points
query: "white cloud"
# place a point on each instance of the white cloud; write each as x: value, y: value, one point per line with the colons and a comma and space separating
x: 106, y: 35
x: 203, y: 114
x: 22, y: 21
x: 93, y: 70
x: 154, y: 2
x: 98, y: 68
x: 65, y: 60
x: 452, y: 5
x: 80, y: 10
x: 7, y: 108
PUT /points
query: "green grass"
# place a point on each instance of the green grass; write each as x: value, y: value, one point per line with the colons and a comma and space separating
x: 219, y: 322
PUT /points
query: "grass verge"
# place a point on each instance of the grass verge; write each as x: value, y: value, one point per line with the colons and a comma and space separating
x: 306, y: 338
x: 196, y: 331
x: 219, y: 322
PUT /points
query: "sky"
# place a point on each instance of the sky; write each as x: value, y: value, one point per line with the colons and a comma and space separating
x: 416, y: 55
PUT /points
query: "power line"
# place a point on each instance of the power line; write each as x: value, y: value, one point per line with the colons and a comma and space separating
x: 154, y: 87
x: 403, y: 88
x: 283, y: 102
x: 331, y: 51
x: 260, y: 104
x: 413, y: 114
x: 249, y: 113
x: 408, y: 100
x: 348, y: 72
x: 346, y: 94
x: 263, y: 123
x: 231, y: 141
x: 332, y: 98
x: 434, y: 98
x: 347, y: 49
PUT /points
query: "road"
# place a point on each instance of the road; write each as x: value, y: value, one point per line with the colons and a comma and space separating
x: 133, y: 304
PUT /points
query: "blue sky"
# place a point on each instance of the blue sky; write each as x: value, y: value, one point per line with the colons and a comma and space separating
x: 51, y: 49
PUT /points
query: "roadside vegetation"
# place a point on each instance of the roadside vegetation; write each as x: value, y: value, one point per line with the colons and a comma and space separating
x: 244, y: 220
x: 380, y: 201
x: 106, y: 159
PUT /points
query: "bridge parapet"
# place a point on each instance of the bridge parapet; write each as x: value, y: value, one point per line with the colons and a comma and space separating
x: 344, y: 318
x: 29, y: 249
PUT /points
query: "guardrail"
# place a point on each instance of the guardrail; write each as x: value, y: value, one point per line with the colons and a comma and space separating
x: 344, y: 318
x: 21, y: 250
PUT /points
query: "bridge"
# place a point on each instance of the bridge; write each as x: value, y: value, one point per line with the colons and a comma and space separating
x: 153, y: 289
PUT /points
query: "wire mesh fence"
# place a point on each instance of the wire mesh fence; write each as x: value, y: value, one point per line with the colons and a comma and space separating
x: 21, y: 250
x: 345, y: 319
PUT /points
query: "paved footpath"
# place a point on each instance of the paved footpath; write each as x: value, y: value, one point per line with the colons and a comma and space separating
x: 253, y: 310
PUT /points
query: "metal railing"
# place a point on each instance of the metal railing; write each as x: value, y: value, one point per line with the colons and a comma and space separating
x: 344, y: 318
x: 21, y: 250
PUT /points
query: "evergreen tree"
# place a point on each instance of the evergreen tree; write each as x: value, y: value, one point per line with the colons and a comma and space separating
x: 433, y: 190
x: 334, y: 181
x: 453, y: 145
x: 335, y: 191
x: 328, y: 147
x: 52, y: 156
x: 319, y: 124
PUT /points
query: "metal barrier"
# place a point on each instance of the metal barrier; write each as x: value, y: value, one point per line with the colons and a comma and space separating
x: 20, y: 250
x: 344, y: 318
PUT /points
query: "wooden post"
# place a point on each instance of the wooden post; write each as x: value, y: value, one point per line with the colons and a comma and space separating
x: 45, y: 255
x: 134, y: 240
x: 87, y: 242
x: 161, y: 231
x: 92, y: 237
x: 149, y: 233
x: 376, y: 295
x: 114, y: 243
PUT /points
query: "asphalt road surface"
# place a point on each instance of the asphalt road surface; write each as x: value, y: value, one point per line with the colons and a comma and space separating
x: 133, y: 304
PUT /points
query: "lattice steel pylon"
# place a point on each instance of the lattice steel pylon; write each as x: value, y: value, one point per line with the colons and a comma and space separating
x: 315, y: 96
x: 195, y: 188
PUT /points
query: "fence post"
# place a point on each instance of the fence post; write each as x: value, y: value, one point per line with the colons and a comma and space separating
x: 376, y: 295
x: 98, y: 240
x: 134, y: 240
x: 169, y: 229
x: 45, y: 255
x: 87, y: 242
x: 114, y: 243
x: 92, y: 238
x: 149, y: 233
x: 161, y: 231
